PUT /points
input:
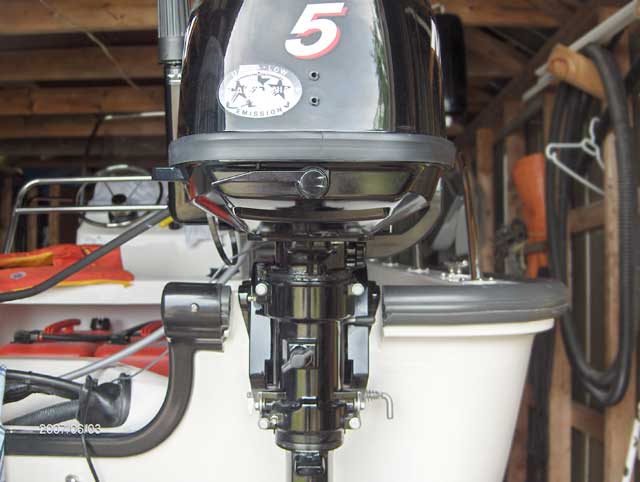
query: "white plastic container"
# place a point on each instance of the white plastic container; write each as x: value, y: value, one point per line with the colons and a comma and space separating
x: 456, y: 386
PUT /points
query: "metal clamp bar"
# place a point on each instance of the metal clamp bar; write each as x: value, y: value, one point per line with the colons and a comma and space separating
x: 91, y: 209
x: 19, y: 210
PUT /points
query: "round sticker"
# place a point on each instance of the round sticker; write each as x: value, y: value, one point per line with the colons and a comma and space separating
x: 260, y: 91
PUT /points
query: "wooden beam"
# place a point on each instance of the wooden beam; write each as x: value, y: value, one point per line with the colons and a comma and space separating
x: 48, y: 148
x: 87, y: 63
x: 80, y: 100
x: 477, y: 99
x: 584, y: 18
x: 499, y: 13
x: 481, y: 65
x: 560, y: 413
x: 554, y: 8
x: 576, y: 69
x: 618, y: 420
x: 484, y: 163
x: 77, y: 126
x: 517, y: 468
x: 514, y: 148
x: 479, y: 43
x: 586, y: 218
x: 589, y: 216
x: 490, y: 58
x: 587, y: 421
x: 27, y: 17
x: 92, y: 162
x: 560, y: 392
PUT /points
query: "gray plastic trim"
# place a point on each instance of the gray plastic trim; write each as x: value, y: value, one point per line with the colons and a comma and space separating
x: 312, y: 146
x: 474, y: 303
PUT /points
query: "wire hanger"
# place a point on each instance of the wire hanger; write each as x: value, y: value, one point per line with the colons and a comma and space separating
x: 588, y: 145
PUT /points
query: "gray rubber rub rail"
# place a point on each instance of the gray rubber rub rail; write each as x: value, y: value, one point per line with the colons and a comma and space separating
x: 312, y: 146
x: 474, y: 303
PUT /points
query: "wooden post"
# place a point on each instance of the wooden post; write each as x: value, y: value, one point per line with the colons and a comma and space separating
x: 517, y: 470
x: 618, y: 419
x: 54, y: 218
x: 560, y: 400
x: 575, y: 69
x: 514, y: 148
x: 485, y: 139
x: 560, y: 414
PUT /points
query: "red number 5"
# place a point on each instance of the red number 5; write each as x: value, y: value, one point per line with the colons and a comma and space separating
x: 309, y: 23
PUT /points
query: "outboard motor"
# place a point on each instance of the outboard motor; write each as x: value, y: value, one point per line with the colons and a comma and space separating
x: 316, y: 126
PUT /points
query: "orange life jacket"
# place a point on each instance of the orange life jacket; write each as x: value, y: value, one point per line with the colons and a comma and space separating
x: 24, y: 270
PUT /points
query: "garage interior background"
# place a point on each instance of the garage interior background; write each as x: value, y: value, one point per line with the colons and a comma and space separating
x: 75, y: 75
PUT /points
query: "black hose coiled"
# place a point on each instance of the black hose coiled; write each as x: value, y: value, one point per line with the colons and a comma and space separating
x: 606, y: 386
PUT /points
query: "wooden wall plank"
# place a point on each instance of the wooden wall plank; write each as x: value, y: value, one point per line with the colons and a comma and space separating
x: 582, y: 20
x: 479, y: 43
x: 80, y: 100
x: 504, y: 13
x: 618, y: 419
x: 47, y: 148
x: 517, y: 469
x: 89, y: 63
x: 588, y: 421
x: 85, y: 63
x: 485, y: 139
x: 560, y: 413
x: 27, y: 17
x: 76, y: 126
x: 560, y: 396
x: 514, y: 148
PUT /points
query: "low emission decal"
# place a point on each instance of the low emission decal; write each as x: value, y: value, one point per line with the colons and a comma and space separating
x: 260, y: 91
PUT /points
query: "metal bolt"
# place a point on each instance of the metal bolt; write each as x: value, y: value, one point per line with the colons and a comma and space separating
x: 264, y: 423
x: 195, y: 307
x: 314, y: 101
x: 261, y: 289
x: 357, y: 289
x: 72, y: 478
x: 314, y: 75
x: 314, y: 183
x: 274, y: 420
x: 354, y: 423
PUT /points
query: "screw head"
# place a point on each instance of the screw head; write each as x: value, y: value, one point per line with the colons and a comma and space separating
x: 261, y: 289
x: 72, y: 478
x: 357, y: 289
x: 195, y: 307
x: 314, y: 101
x: 313, y: 184
x: 354, y: 423
x: 314, y: 75
x: 263, y: 423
